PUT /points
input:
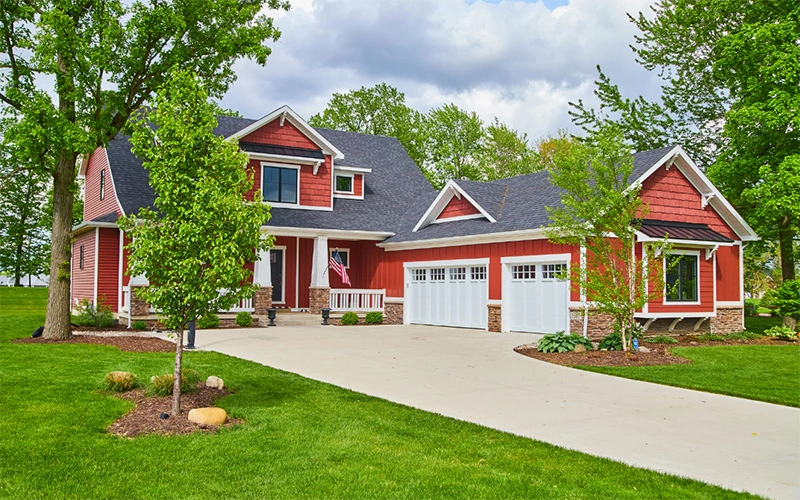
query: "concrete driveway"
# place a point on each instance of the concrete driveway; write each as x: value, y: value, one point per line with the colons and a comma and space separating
x: 475, y: 376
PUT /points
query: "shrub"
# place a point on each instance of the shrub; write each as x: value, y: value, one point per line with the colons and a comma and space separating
x: 750, y: 308
x: 559, y: 342
x: 742, y: 336
x: 244, y: 319
x: 120, y: 381
x: 139, y: 325
x: 162, y: 384
x: 781, y: 332
x: 710, y: 337
x: 99, y: 316
x: 374, y: 318
x: 349, y: 318
x: 210, y: 320
x: 611, y: 342
x: 661, y: 339
x: 787, y: 299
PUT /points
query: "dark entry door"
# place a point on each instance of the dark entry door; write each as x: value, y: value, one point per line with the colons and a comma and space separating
x: 276, y: 270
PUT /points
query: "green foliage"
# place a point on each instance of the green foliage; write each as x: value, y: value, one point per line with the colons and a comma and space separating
x: 750, y: 307
x: 597, y: 200
x: 781, y: 332
x: 559, y: 342
x: 659, y: 339
x: 99, y: 316
x: 506, y: 153
x: 611, y: 342
x: 161, y: 385
x: 787, y: 299
x: 120, y: 382
x: 139, y: 325
x: 710, y: 337
x: 244, y: 318
x: 742, y: 336
x: 210, y: 320
x: 374, y: 318
x: 453, y: 141
x: 349, y: 318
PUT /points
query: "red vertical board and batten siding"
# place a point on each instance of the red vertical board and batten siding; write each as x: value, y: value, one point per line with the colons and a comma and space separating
x: 93, y: 206
x: 457, y: 208
x: 729, y: 285
x: 315, y: 190
x: 108, y: 268
x: 83, y: 279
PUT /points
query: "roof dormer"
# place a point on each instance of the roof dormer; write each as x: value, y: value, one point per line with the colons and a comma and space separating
x: 453, y: 204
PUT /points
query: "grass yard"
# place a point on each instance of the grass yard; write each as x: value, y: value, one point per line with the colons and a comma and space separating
x: 302, y: 439
x: 760, y: 372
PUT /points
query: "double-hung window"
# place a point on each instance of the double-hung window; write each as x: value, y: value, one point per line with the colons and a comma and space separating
x: 279, y: 184
x: 682, y: 278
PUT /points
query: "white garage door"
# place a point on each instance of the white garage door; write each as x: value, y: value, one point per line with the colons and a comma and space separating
x: 449, y: 296
x: 537, y: 300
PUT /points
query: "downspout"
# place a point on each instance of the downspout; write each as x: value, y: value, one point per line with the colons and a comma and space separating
x: 583, y: 292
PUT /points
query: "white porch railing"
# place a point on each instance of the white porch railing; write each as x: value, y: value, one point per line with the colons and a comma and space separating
x: 245, y: 305
x: 346, y: 299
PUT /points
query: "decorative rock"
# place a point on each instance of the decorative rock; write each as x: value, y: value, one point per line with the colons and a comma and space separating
x: 208, y: 416
x: 214, y: 382
x: 644, y: 349
x: 580, y: 348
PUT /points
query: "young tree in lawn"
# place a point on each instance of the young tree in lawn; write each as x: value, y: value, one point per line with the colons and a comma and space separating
x: 600, y: 211
x: 194, y: 248
x: 105, y: 59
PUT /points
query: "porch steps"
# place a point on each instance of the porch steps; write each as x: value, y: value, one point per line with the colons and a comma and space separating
x: 288, y: 318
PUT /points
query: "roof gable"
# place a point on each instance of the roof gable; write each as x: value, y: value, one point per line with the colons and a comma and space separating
x: 449, y: 192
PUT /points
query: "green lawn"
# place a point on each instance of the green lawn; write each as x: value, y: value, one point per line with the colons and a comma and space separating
x: 302, y: 439
x: 760, y: 372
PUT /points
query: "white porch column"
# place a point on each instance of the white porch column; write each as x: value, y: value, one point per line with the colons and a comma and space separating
x: 319, y: 263
x: 262, y: 272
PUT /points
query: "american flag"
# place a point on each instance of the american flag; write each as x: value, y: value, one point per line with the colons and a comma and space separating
x: 337, y: 265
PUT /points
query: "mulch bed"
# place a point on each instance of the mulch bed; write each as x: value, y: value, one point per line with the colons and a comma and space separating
x: 123, y: 342
x: 660, y: 354
x: 144, y: 418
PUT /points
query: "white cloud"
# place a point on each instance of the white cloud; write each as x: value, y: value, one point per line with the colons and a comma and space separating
x: 515, y: 60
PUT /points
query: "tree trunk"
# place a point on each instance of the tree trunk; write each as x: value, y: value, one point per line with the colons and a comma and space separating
x: 57, y: 319
x: 176, y: 383
x: 786, y: 240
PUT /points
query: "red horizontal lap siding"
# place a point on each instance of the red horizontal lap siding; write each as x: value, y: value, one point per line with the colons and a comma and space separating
x: 274, y: 134
x: 457, y: 208
x: 386, y: 268
x: 108, y: 268
x: 83, y: 279
x: 315, y: 190
x: 93, y: 206
x: 358, y: 185
x: 728, y: 274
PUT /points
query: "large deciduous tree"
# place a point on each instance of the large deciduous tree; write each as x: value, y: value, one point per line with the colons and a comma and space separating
x: 106, y: 58
x: 601, y: 211
x: 731, y: 95
x: 506, y: 153
x: 194, y: 248
x: 453, y: 138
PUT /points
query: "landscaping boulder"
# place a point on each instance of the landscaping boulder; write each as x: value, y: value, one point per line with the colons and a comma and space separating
x: 208, y: 416
x: 644, y: 349
x: 580, y: 348
x: 214, y: 382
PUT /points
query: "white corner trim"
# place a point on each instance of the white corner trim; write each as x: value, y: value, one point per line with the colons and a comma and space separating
x: 442, y: 199
x: 96, y: 257
x: 287, y: 113
x: 446, y: 263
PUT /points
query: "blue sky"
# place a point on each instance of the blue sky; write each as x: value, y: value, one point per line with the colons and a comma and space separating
x: 519, y: 61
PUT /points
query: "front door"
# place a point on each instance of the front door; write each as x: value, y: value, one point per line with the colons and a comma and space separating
x: 276, y: 270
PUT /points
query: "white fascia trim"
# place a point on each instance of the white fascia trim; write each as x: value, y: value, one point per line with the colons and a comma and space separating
x: 460, y: 217
x: 657, y: 315
x: 357, y: 170
x: 446, y: 263
x: 477, y: 239
x: 441, y: 201
x: 537, y: 259
x: 283, y: 158
x: 338, y: 234
x: 287, y: 113
x: 707, y: 190
x: 113, y: 183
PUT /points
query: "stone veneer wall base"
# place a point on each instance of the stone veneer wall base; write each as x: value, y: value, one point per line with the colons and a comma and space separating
x: 318, y: 297
x: 495, y: 317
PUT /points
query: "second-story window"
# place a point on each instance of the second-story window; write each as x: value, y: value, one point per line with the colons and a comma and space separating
x: 102, y: 184
x: 344, y: 183
x: 80, y: 258
x: 280, y: 184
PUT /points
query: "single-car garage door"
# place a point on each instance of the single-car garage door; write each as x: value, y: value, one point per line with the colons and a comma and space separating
x: 537, y: 300
x: 448, y: 295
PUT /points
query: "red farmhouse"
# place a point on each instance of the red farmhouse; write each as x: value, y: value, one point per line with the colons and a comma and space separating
x: 471, y: 255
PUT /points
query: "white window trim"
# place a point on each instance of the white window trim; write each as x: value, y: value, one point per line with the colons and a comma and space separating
x: 281, y: 204
x: 665, y: 302
x: 345, y: 250
x: 283, y: 273
x: 352, y: 178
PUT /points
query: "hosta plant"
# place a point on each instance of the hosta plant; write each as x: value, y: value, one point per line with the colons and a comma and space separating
x: 559, y: 342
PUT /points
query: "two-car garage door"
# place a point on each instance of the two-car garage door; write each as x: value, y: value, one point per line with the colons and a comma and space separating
x: 448, y: 295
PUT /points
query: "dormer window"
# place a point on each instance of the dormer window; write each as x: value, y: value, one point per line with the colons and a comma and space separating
x: 344, y: 183
x: 102, y: 184
x: 279, y: 184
